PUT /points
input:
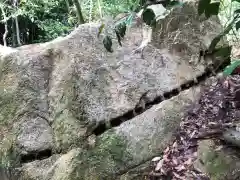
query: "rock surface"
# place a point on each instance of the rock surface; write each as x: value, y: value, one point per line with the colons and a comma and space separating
x: 53, y: 95
x: 184, y: 33
x: 220, y: 163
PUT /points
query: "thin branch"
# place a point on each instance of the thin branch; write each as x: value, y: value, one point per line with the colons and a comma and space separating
x: 79, y: 11
x: 16, y: 24
x: 68, y: 6
x: 100, y: 9
x: 90, y: 11
x: 5, y: 25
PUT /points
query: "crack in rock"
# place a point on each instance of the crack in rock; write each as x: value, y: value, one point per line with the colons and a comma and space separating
x: 103, y: 126
x: 32, y: 156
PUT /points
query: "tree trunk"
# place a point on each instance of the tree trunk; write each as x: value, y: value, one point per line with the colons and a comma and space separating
x: 5, y: 25
x: 90, y: 11
x: 100, y: 9
x: 13, y: 34
x: 16, y: 24
x: 68, y: 6
x: 17, y: 32
x: 79, y: 11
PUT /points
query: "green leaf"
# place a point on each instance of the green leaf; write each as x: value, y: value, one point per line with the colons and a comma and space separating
x: 202, y: 6
x: 236, y: 14
x: 230, y: 69
x: 107, y: 42
x: 120, y: 31
x: 118, y: 37
x: 237, y: 25
x: 148, y: 16
x: 212, y: 9
x: 223, y: 52
x: 236, y: 0
x: 216, y: 40
x: 100, y: 29
x: 174, y: 3
x: 129, y: 19
x: 121, y: 28
x: 237, y: 11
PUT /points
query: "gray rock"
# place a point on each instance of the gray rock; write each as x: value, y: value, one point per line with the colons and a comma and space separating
x: 138, y: 173
x: 53, y: 94
x: 219, y: 163
x: 35, y: 135
x: 184, y: 33
x: 75, y: 78
x: 37, y: 169
x: 132, y: 143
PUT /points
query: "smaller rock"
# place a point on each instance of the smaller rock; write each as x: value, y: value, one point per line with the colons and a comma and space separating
x: 63, y: 167
x: 35, y: 135
x: 219, y: 164
x: 37, y: 169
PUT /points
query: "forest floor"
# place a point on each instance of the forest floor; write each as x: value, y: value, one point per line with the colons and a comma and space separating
x: 217, y: 110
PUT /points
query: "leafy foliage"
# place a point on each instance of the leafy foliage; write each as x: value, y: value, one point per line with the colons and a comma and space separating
x: 100, y: 29
x: 43, y: 20
x: 38, y: 20
x: 149, y: 17
x: 232, y: 67
x: 107, y: 42
x: 205, y: 6
x: 209, y: 9
x: 237, y: 25
x: 216, y: 40
x: 212, y: 9
x: 120, y: 31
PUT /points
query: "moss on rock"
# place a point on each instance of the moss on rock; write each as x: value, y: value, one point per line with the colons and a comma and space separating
x: 69, y: 123
x: 106, y: 160
x: 8, y: 106
x: 221, y: 164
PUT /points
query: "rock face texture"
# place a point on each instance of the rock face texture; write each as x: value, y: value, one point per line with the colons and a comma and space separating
x: 59, y: 100
x: 218, y: 163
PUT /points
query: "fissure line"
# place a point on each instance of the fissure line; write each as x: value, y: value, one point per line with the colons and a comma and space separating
x: 102, y: 127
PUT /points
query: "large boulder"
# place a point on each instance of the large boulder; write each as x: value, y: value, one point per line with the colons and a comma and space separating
x: 122, y: 147
x: 56, y: 99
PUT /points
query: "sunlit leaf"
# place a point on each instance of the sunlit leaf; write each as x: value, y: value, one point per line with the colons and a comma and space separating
x: 100, y: 29
x: 129, y: 19
x: 107, y: 42
x: 230, y: 69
